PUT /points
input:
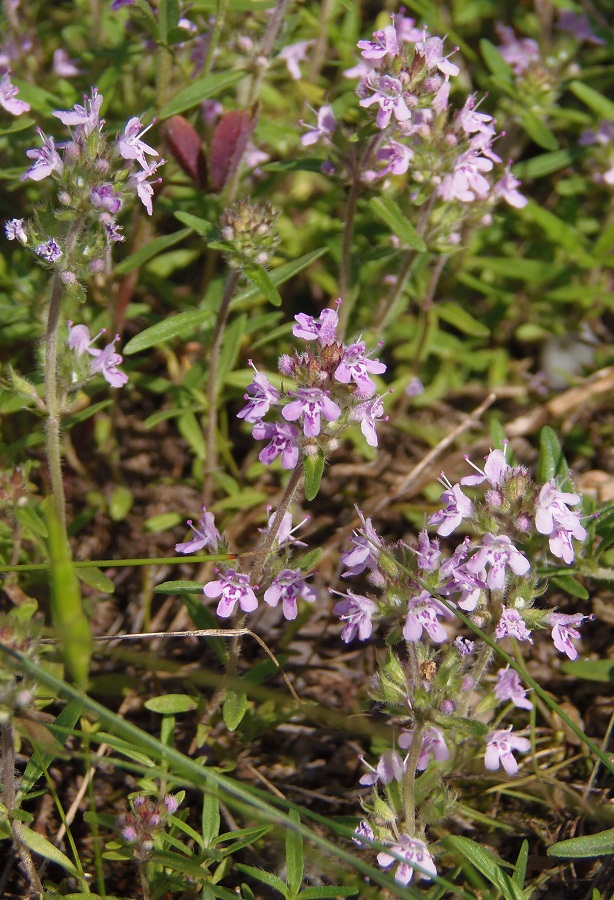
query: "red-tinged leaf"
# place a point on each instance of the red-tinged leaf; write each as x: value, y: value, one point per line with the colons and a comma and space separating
x: 185, y: 144
x: 228, y: 144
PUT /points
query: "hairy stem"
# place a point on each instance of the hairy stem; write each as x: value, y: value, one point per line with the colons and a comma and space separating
x: 409, y: 793
x: 214, y: 356
x: 52, y: 394
x: 271, y: 534
x: 221, y: 11
x: 346, y: 258
x: 273, y: 29
x: 8, y: 799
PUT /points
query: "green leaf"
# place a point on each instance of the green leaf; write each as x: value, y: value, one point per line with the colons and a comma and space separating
x: 279, y: 275
x: 460, y: 319
x: 486, y: 863
x: 64, y: 721
x: 571, y: 586
x: 294, y: 856
x: 39, y: 844
x: 585, y: 847
x: 591, y: 669
x: 170, y: 704
x: 544, y: 164
x: 120, y: 503
x: 167, y: 329
x: 494, y: 61
x: 593, y: 99
x: 235, y: 707
x: 162, y: 522
x: 520, y: 868
x: 168, y: 18
x: 96, y: 579
x: 387, y: 210
x: 260, y: 277
x: 539, y: 132
x: 552, y: 463
x: 211, y: 813
x: 200, y: 90
x: 231, y: 344
x: 200, y: 226
x: 144, y: 254
x: 69, y: 621
x: 314, y: 469
x: 191, y: 430
x: 182, y: 864
x: 29, y: 518
x: 555, y: 228
x: 265, y: 877
x: 179, y: 587
x: 327, y: 893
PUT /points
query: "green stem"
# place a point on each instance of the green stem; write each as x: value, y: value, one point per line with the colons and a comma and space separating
x: 163, y: 75
x: 53, y: 401
x: 409, y: 794
x: 221, y: 11
x: 346, y: 258
x: 271, y: 534
x: 214, y: 355
x: 8, y: 800
x: 274, y: 26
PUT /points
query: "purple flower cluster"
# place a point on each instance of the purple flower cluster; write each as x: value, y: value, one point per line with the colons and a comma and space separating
x: 334, y: 388
x: 147, y: 819
x: 405, y: 79
x: 92, y: 180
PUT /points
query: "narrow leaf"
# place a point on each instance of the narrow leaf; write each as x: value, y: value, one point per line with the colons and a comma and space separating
x: 520, y: 868
x: 69, y: 620
x: 585, y: 847
x: 228, y: 144
x: 201, y: 90
x: 39, y: 844
x: 387, y: 210
x: 170, y: 704
x: 460, y: 319
x: 144, y: 254
x: 314, y: 469
x: 96, y: 579
x: 280, y: 275
x: 167, y: 329
x: 487, y: 864
x: 185, y: 144
x: 539, y: 132
x: 168, y: 18
x: 66, y: 719
x: 494, y: 61
x: 552, y: 463
x: 591, y: 669
x: 235, y: 707
x: 211, y: 813
x: 294, y: 855
x: 593, y: 99
x: 260, y: 277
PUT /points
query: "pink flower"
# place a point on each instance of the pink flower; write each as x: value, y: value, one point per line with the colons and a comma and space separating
x: 322, y: 329
x: 357, y: 612
x: 432, y: 50
x: 46, y: 160
x: 511, y: 624
x: 458, y: 507
x: 365, y: 552
x: 8, y: 97
x: 417, y: 859
x: 324, y: 128
x: 232, y: 588
x: 283, y: 439
x: 509, y: 687
x: 499, y: 747
x: 388, y: 94
x: 519, y: 54
x: 310, y: 405
x: 367, y: 414
x: 497, y: 552
x: 63, y: 66
x: 389, y: 768
x: 385, y: 44
x: 130, y: 144
x: 562, y: 633
x: 143, y: 187
x: 293, y: 54
x: 433, y: 746
x: 106, y: 362
x: 397, y: 156
x: 205, y: 534
x: 355, y: 366
x: 288, y: 586
x: 422, y: 612
x: 554, y: 518
x: 260, y: 396
x: 87, y: 117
